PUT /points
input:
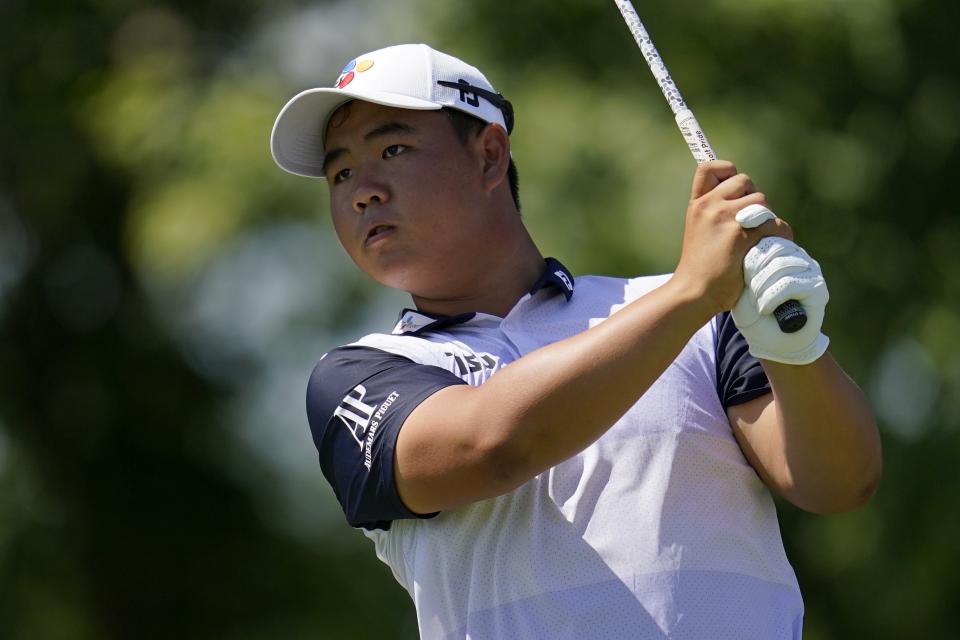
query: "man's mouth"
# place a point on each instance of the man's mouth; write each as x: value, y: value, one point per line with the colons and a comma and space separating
x: 377, y: 231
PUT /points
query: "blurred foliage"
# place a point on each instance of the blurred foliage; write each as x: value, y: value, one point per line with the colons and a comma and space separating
x: 165, y: 289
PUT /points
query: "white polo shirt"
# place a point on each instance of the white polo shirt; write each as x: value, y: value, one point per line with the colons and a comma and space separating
x: 659, y: 529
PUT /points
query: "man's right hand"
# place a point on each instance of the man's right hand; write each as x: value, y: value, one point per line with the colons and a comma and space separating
x: 714, y: 243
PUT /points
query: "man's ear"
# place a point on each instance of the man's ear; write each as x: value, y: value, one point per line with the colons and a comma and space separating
x: 493, y: 146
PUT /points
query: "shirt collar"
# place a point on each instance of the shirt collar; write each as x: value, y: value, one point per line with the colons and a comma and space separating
x: 554, y: 275
x: 413, y: 322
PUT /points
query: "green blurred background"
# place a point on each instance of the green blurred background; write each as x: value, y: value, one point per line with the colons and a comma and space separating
x: 165, y: 289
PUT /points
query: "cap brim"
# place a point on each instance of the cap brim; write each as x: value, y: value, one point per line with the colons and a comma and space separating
x: 297, y: 138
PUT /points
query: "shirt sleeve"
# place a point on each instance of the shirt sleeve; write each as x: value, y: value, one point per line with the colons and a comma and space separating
x: 740, y: 377
x: 357, y: 400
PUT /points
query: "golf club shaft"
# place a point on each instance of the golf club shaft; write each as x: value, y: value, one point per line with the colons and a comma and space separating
x: 689, y: 127
x: 790, y: 315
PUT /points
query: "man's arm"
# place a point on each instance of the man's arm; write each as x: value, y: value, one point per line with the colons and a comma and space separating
x: 814, y: 439
x: 465, y: 444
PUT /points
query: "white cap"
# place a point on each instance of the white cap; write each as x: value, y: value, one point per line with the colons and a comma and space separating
x: 408, y: 76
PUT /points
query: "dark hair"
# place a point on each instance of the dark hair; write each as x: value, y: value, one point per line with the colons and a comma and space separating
x: 466, y: 125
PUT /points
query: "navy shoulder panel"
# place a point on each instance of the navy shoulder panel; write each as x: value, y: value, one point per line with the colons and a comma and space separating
x: 740, y: 376
x: 357, y: 400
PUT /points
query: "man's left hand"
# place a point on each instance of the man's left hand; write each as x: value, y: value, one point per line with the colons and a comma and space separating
x: 774, y: 271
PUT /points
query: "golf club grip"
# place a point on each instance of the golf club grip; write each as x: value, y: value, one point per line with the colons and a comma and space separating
x: 790, y: 315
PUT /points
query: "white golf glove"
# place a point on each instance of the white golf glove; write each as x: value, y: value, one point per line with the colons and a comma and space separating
x: 774, y: 271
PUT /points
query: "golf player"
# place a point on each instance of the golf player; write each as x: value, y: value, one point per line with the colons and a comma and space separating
x: 541, y: 456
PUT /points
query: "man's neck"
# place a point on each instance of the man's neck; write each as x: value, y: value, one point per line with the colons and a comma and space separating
x: 495, y: 292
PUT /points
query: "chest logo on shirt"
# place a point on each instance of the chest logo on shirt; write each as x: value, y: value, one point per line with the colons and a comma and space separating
x: 467, y: 363
x: 363, y: 420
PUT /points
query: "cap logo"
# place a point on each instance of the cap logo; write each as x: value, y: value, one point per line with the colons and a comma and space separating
x: 471, y: 95
x: 349, y: 72
x: 466, y: 95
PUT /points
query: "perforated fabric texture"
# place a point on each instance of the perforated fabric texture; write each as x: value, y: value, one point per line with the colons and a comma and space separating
x: 660, y: 529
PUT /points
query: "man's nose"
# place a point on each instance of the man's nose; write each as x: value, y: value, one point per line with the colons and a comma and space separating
x: 369, y: 192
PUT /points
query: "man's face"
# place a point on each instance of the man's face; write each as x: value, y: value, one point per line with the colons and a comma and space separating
x: 403, y: 197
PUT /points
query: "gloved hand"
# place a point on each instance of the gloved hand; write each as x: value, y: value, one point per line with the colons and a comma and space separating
x: 774, y: 271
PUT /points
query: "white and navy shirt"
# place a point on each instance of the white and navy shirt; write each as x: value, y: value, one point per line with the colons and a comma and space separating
x: 659, y: 529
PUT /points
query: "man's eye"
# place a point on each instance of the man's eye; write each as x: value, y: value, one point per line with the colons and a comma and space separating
x: 342, y: 175
x: 394, y: 150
